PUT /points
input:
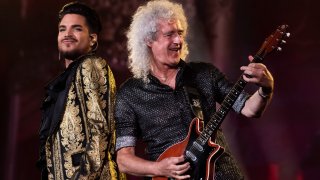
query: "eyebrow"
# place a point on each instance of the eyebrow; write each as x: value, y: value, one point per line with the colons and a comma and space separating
x: 176, y: 30
x: 76, y: 25
x: 73, y: 26
x: 173, y: 31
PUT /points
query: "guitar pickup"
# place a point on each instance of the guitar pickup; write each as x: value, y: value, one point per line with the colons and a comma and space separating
x: 191, y: 156
x: 197, y: 146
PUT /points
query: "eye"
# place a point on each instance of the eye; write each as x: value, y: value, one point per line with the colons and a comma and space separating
x: 169, y: 34
x: 61, y: 29
x: 78, y: 29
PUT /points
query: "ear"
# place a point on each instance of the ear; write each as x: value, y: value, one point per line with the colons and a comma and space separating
x: 94, y: 38
x: 148, y: 42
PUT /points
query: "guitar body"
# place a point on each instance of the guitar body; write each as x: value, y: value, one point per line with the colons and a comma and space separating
x: 203, y: 167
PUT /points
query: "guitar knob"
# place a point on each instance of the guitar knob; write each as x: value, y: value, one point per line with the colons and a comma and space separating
x: 288, y: 34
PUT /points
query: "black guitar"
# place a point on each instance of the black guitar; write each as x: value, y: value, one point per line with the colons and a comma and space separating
x: 198, y: 147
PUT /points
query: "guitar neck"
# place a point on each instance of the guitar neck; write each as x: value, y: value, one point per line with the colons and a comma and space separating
x: 216, y: 120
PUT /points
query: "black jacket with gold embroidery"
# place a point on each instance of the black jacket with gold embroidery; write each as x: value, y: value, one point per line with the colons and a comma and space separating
x: 77, y: 132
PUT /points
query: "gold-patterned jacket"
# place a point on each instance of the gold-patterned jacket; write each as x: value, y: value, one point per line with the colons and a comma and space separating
x: 78, y: 128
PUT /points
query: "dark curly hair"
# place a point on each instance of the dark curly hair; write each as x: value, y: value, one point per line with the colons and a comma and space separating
x: 92, y: 18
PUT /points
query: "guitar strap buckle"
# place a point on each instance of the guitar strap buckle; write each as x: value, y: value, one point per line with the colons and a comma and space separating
x: 193, y: 98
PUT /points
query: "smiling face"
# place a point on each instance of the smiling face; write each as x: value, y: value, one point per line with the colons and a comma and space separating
x: 74, y: 38
x: 167, y: 46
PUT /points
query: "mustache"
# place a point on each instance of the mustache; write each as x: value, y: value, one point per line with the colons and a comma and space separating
x: 69, y: 38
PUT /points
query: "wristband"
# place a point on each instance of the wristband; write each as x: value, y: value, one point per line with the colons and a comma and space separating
x: 263, y: 95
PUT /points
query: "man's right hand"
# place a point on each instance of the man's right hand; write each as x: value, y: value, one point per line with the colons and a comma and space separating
x: 172, y: 167
x: 129, y: 163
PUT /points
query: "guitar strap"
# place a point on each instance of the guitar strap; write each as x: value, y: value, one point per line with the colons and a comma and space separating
x: 193, y: 98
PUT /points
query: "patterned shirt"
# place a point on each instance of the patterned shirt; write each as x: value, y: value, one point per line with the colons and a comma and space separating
x: 160, y: 115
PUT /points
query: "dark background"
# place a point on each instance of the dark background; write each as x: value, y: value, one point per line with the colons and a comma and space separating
x: 283, y: 144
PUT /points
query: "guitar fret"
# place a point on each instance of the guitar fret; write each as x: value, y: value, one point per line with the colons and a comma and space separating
x: 201, y: 139
x: 240, y: 84
x: 235, y: 92
x: 206, y: 135
x: 203, y: 136
x: 209, y: 132
x: 215, y: 117
x: 202, y: 142
x: 232, y: 96
x: 223, y: 112
x: 225, y: 106
x: 228, y: 101
x: 211, y: 126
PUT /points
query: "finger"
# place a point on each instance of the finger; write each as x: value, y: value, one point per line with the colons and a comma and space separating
x: 246, y: 72
x: 182, y: 177
x: 250, y: 58
x: 249, y: 73
x: 181, y: 158
x: 257, y: 66
x: 177, y: 175
x: 255, y: 71
x: 249, y: 78
x: 183, y: 170
x: 176, y: 160
x: 249, y: 67
x: 183, y: 167
x: 253, y: 65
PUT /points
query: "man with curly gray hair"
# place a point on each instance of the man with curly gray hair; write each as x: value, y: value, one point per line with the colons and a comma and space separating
x: 144, y: 29
x: 158, y: 103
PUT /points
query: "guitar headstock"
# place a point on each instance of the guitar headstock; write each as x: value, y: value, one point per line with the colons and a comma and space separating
x: 273, y: 42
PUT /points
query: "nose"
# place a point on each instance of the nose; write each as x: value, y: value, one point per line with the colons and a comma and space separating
x: 68, y: 33
x: 178, y: 38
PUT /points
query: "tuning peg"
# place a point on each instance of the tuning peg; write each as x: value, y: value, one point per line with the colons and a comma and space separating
x: 279, y: 49
x: 283, y: 42
x: 284, y: 26
x: 288, y: 34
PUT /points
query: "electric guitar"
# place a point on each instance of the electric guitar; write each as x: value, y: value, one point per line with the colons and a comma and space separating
x: 197, y: 147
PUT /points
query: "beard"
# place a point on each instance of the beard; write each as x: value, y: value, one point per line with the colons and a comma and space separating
x: 71, y: 55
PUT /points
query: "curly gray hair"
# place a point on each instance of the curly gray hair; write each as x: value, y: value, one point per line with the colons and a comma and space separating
x: 144, y: 27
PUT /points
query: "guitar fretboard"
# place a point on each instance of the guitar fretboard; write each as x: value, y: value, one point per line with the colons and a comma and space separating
x: 221, y: 113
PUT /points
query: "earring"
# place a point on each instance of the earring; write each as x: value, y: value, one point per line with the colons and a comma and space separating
x: 59, y: 56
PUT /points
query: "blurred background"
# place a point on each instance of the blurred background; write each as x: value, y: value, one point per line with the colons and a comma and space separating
x: 283, y: 145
